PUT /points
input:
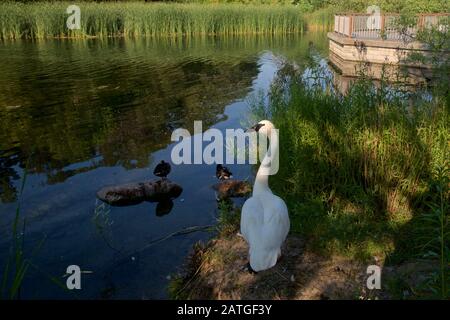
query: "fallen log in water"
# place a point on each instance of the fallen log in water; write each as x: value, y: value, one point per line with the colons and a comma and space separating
x: 232, y: 189
x: 133, y: 193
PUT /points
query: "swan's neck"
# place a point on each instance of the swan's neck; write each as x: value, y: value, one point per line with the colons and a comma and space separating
x: 261, y: 183
x: 262, y: 177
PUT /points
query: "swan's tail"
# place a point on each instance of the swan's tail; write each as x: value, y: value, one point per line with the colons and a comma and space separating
x: 262, y: 259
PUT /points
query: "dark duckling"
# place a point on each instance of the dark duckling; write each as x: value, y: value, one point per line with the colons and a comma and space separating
x: 162, y: 170
x: 222, y: 173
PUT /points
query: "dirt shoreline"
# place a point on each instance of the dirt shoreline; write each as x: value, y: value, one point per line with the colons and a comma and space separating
x: 216, y: 271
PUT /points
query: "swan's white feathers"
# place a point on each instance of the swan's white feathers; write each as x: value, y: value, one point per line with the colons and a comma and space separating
x: 264, y: 225
x: 264, y: 219
x: 250, y: 216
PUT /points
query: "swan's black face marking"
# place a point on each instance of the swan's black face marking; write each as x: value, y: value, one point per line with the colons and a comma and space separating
x: 258, y: 126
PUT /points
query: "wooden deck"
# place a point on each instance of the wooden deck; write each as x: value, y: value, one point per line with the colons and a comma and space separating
x: 372, y: 50
x: 360, y: 40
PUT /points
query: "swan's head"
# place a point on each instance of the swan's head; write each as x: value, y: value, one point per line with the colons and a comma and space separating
x: 263, y: 127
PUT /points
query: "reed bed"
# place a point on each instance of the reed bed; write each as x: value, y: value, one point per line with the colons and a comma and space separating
x: 321, y: 19
x: 134, y: 19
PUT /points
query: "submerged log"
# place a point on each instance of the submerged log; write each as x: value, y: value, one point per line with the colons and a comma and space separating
x: 232, y: 189
x: 133, y: 193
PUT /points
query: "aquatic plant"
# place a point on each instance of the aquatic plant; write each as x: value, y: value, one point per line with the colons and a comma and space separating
x: 16, y: 265
x: 48, y: 19
x: 17, y: 262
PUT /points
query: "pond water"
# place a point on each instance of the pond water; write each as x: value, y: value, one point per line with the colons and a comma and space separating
x: 84, y: 114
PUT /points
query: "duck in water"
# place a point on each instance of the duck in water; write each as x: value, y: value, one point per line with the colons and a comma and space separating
x: 162, y: 170
x: 222, y: 173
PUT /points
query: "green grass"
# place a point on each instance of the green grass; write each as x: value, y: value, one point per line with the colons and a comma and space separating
x: 45, y: 19
x: 321, y: 19
x: 359, y: 172
x: 228, y: 219
x: 48, y: 20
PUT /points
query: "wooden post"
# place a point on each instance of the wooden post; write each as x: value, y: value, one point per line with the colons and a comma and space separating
x: 421, y: 22
x: 335, y: 19
x: 350, y: 28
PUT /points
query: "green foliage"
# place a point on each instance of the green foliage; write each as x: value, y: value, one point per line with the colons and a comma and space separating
x: 437, y: 39
x: 229, y: 218
x: 390, y: 6
x: 434, y: 232
x: 48, y: 19
x: 357, y: 170
x: 175, y: 288
x: 322, y: 18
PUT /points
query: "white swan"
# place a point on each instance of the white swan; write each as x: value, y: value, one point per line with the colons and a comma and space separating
x: 264, y: 218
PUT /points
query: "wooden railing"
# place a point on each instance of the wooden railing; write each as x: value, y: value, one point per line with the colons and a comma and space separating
x: 385, y: 26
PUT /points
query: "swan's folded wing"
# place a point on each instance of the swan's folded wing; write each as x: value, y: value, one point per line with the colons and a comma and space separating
x: 275, y: 227
x: 252, y: 214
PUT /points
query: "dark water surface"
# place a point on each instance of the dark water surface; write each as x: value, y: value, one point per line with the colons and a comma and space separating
x: 81, y: 115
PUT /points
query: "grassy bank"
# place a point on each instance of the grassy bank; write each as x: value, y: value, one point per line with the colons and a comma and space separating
x: 48, y: 20
x: 366, y: 174
x: 366, y: 180
x: 215, y: 271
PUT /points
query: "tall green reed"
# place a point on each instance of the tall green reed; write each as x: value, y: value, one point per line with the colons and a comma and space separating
x: 434, y: 227
x: 17, y: 264
x: 48, y: 19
